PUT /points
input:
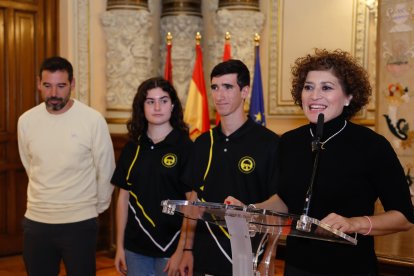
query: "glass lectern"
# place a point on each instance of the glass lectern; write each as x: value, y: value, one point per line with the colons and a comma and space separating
x: 245, y: 222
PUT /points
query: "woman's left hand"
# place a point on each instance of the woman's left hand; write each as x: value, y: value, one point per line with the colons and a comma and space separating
x: 346, y: 225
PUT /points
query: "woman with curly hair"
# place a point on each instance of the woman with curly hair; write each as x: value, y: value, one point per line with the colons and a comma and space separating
x: 356, y: 167
x: 149, y: 170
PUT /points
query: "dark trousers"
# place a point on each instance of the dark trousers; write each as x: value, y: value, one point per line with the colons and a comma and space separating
x: 45, y: 245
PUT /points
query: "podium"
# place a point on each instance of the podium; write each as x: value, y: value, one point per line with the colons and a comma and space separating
x: 245, y: 222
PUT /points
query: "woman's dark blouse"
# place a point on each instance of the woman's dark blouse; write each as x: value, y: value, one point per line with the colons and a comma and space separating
x: 155, y: 176
x: 356, y: 167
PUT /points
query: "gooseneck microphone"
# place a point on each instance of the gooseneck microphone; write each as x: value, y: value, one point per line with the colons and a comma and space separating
x: 304, y: 224
x: 316, y: 142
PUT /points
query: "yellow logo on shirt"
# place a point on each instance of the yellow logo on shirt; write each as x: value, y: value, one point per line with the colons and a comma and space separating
x: 246, y: 164
x: 169, y: 160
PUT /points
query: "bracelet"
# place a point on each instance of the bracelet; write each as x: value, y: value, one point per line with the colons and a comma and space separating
x: 187, y: 249
x: 370, y: 226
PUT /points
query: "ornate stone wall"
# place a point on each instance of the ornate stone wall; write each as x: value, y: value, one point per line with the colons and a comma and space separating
x: 114, y: 50
x: 128, y: 56
x: 183, y: 19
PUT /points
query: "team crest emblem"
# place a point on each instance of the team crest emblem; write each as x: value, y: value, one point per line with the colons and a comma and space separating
x: 169, y: 160
x: 246, y: 164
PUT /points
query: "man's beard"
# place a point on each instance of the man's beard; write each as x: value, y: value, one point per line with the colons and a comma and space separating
x: 56, y: 106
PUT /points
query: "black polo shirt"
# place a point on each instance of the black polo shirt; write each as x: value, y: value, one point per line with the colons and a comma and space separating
x: 154, y: 176
x: 242, y: 165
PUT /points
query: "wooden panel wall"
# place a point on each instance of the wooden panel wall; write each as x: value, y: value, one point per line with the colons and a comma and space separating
x: 24, y: 43
x: 106, y: 239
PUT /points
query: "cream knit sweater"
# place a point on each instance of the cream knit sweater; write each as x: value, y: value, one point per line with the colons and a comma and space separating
x: 69, y: 160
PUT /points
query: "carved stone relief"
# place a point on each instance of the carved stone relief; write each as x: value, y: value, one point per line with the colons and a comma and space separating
x: 129, y: 58
x: 242, y: 25
x: 183, y: 29
x: 82, y: 56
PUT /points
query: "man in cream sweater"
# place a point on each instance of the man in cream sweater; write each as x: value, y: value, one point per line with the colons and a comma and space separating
x: 66, y: 149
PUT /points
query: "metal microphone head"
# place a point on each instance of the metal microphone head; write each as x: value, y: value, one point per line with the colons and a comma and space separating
x: 316, y: 143
x: 319, y: 126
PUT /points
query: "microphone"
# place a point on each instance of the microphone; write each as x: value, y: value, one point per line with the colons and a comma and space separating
x: 316, y: 142
x: 305, y: 223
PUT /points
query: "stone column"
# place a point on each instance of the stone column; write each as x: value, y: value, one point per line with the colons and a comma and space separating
x: 183, y: 19
x: 128, y: 56
x: 242, y: 19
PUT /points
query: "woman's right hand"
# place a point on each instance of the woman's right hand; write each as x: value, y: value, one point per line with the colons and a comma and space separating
x: 233, y: 201
x: 120, y: 263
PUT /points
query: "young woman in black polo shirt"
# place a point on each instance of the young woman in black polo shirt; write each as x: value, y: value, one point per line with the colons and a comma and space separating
x: 149, y: 171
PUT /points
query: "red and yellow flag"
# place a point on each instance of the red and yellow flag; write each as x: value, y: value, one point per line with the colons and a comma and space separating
x: 227, y: 47
x: 226, y: 56
x: 168, y: 64
x: 196, y: 108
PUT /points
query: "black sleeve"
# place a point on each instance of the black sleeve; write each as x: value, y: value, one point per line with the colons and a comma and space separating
x: 186, y: 154
x: 273, y: 168
x: 124, y: 162
x: 389, y: 175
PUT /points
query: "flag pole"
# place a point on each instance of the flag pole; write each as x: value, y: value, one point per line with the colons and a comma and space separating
x: 168, y: 63
x: 226, y: 56
x: 256, y: 110
x: 256, y: 39
x: 198, y: 38
x: 169, y: 38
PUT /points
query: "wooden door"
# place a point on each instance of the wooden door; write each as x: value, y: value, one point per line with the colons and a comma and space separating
x: 28, y: 33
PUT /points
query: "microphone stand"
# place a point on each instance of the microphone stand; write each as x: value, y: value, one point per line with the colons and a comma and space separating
x: 304, y: 223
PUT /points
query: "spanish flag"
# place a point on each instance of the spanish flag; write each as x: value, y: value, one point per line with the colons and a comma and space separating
x: 196, y: 108
x: 227, y: 47
x: 168, y: 64
x: 226, y: 56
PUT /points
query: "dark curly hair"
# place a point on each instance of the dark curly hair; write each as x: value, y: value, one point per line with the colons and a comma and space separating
x: 352, y: 76
x: 138, y: 124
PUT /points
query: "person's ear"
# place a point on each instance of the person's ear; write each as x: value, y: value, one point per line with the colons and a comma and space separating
x: 348, y: 100
x: 72, y: 83
x: 245, y: 92
x: 39, y: 83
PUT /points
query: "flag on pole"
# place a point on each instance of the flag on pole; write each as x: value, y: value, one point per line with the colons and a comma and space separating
x: 168, y: 64
x: 196, y: 108
x: 226, y: 56
x: 256, y: 111
x: 227, y: 47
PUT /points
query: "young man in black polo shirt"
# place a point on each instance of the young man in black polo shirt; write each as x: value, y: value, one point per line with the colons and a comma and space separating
x: 243, y: 165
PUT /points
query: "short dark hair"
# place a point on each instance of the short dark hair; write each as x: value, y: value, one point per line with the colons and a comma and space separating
x: 56, y: 63
x: 138, y: 124
x: 352, y: 76
x: 232, y: 66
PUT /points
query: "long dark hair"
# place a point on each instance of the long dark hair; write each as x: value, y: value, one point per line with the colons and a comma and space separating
x: 138, y: 124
